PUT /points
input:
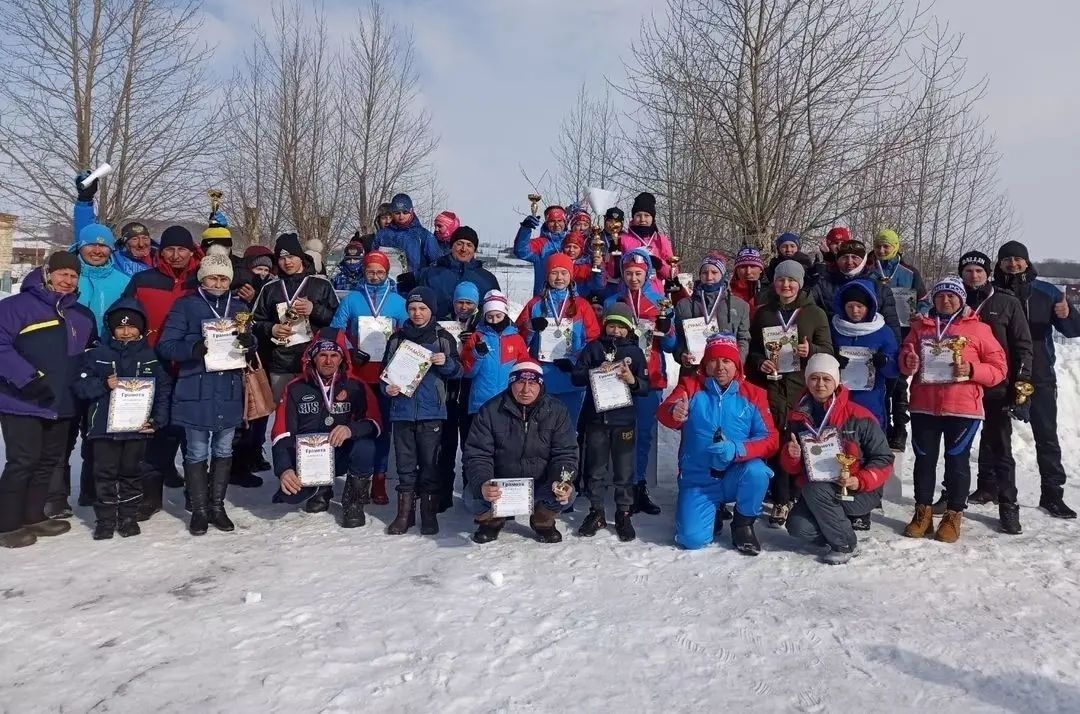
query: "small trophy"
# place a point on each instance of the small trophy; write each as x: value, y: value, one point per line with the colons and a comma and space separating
x: 565, y: 485
x: 846, y: 462
x: 243, y: 321
x: 1023, y: 391
x: 534, y: 203
x: 215, y: 195
x: 289, y: 318
x: 956, y: 346
x: 597, y: 245
x: 774, y: 347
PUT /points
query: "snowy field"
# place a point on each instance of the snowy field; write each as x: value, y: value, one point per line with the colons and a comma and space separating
x: 290, y: 613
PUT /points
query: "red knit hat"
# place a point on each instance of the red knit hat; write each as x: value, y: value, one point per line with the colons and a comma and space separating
x: 723, y: 345
x: 376, y: 257
x: 554, y: 213
x: 838, y: 235
x: 574, y: 238
x: 560, y: 260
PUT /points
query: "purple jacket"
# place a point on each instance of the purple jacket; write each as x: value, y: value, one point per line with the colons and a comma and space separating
x: 42, y: 331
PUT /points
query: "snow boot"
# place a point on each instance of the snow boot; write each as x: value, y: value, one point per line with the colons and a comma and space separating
x: 196, y: 477
x: 642, y: 502
x: 742, y: 534
x: 128, y: 527
x: 922, y: 523
x: 1055, y: 506
x: 860, y: 523
x: 543, y: 524
x: 104, y: 528
x: 593, y: 522
x: 153, y: 494
x: 982, y: 496
x: 840, y: 556
x: 1009, y: 515
x: 57, y: 505
x: 429, y: 513
x: 406, y: 514
x: 58, y: 509
x: 219, y: 484
x: 779, y: 515
x: 942, y: 504
x: 48, y: 527
x: 378, y: 490
x: 488, y: 530
x: 948, y: 531
x: 623, y: 527
x: 18, y: 538
x: 320, y: 500
x: 240, y: 475
x: 357, y: 492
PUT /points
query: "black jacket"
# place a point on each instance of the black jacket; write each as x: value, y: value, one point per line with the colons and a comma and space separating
x: 279, y: 359
x: 507, y: 440
x: 595, y: 354
x: 1005, y: 316
x: 1038, y: 298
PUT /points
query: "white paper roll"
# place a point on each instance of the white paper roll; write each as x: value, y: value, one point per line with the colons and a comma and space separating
x: 100, y: 172
x: 600, y: 199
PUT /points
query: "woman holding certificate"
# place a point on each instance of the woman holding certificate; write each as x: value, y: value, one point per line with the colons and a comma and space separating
x: 953, y: 356
x: 866, y: 347
x: 709, y: 309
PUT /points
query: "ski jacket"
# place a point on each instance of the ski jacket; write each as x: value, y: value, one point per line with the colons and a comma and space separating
x: 873, y: 334
x: 366, y: 301
x: 1004, y: 314
x: 489, y: 373
x: 597, y: 353
x: 271, y: 301
x: 1038, y: 298
x: 416, y: 242
x: 348, y: 277
x: 82, y: 215
x: 536, y: 251
x: 895, y: 273
x: 753, y: 293
x: 444, y: 276
x: 583, y: 329
x: 429, y: 400
x: 158, y: 290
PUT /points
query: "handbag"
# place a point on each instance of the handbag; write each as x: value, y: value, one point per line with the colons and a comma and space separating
x: 258, y: 397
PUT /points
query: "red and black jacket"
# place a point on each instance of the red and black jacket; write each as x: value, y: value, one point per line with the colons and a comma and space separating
x: 157, y: 289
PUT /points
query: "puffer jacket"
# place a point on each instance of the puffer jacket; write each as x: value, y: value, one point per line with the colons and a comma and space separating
x: 595, y: 354
x: 99, y: 287
x: 1005, y: 316
x: 536, y: 251
x: 860, y: 436
x: 733, y: 315
x: 428, y: 402
x: 873, y: 334
x: 365, y: 301
x: 824, y: 295
x: 507, y: 440
x: 416, y: 242
x: 1038, y: 299
x: 158, y: 289
x: 447, y: 272
x: 281, y: 359
x: 983, y: 352
x: 657, y: 245
x: 490, y: 372
x: 584, y: 329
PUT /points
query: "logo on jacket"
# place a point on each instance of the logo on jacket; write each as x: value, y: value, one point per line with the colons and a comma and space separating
x: 308, y: 398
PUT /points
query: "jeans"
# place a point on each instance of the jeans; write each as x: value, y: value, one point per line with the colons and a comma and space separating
x: 926, y: 435
x: 355, y: 458
x: 200, y: 444
x: 744, y: 483
x: 645, y: 408
x: 820, y: 513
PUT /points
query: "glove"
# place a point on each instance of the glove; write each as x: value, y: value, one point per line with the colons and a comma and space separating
x: 405, y: 283
x: 38, y: 391
x: 464, y: 337
x: 663, y: 324
x: 360, y: 358
x: 1021, y: 412
x: 879, y: 359
x: 482, y: 348
x: 722, y: 453
x: 539, y: 324
x: 843, y: 361
x: 671, y: 285
x: 85, y: 195
x: 246, y: 340
x: 531, y: 222
x: 198, y: 351
x: 564, y: 365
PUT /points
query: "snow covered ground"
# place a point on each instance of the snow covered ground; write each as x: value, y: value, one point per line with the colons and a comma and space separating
x: 291, y: 613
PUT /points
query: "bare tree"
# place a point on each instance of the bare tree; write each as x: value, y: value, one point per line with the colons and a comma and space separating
x: 87, y: 81
x: 588, y: 152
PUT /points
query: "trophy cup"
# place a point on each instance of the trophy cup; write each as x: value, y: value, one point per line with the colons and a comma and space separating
x: 773, y: 348
x: 243, y: 320
x: 597, y: 245
x: 672, y: 284
x: 564, y: 486
x: 1023, y: 391
x: 957, y: 348
x: 215, y: 195
x: 289, y: 318
x: 846, y: 462
x: 534, y: 203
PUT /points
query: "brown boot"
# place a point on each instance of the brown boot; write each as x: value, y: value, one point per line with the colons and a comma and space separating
x: 378, y: 490
x: 922, y: 523
x: 948, y: 530
x: 543, y: 523
x: 406, y: 514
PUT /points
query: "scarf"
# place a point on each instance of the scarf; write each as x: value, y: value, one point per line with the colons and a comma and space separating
x: 858, y: 329
x: 423, y: 335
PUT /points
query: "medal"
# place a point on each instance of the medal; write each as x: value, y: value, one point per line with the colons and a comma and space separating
x: 291, y: 315
x: 328, y: 400
x: 558, y: 315
x: 558, y: 334
x: 329, y: 421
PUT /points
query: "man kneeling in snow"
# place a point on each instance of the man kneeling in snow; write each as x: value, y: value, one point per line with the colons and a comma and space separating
x: 521, y: 433
x: 728, y: 432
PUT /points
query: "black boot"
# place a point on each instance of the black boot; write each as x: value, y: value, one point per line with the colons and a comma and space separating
x: 543, y: 524
x: 127, y: 512
x: 860, y: 523
x: 57, y: 506
x: 240, y: 475
x: 106, y: 521
x: 942, y: 504
x: 196, y: 477
x: 623, y: 527
x: 406, y: 514
x: 171, y: 477
x: 219, y: 484
x: 429, y: 513
x: 593, y: 522
x: 320, y: 500
x: 723, y: 513
x: 357, y: 492
x: 898, y: 437
x: 153, y: 491
x: 1055, y: 506
x: 1009, y: 514
x: 642, y: 502
x: 446, y: 501
x: 742, y: 535
x: 488, y: 530
x: 128, y: 527
x: 983, y: 495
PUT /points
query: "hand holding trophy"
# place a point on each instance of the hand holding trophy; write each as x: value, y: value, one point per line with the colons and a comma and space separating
x: 846, y: 462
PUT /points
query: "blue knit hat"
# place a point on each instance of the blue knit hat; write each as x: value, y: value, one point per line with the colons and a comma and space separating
x: 950, y: 284
x: 788, y: 238
x: 467, y: 291
x: 422, y: 294
x: 401, y: 202
x: 95, y: 234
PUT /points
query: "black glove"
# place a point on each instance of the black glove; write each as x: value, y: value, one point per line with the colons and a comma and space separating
x: 360, y: 358
x: 843, y: 361
x: 85, y: 195
x: 405, y: 283
x: 199, y: 350
x: 879, y: 359
x: 531, y: 222
x: 464, y: 337
x: 38, y: 391
x: 564, y: 365
x: 363, y: 429
x: 481, y: 348
x: 246, y: 340
x: 539, y: 324
x: 663, y: 324
x: 1021, y: 412
x: 672, y: 286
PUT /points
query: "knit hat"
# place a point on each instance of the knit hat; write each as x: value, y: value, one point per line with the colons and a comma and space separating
x: 788, y: 238
x: 851, y: 247
x: 823, y: 363
x: 449, y: 221
x: 467, y: 290
x: 130, y: 230
x: 382, y: 211
x: 401, y: 202
x: 950, y: 284
x: 63, y: 260
x: 259, y: 261
x: 177, y: 237
x: 974, y: 257
x: 790, y: 269
x: 288, y: 244
x: 888, y: 237
x: 125, y: 316
x: 716, y: 260
x: 314, y: 249
x: 218, y: 229
x: 318, y: 346
x: 854, y: 291
x: 422, y: 294
x: 559, y: 260
x: 574, y: 238
x: 529, y: 371
x: 646, y: 202
x: 554, y: 213
x: 95, y: 234
x: 1013, y: 249
x: 636, y: 258
x: 214, y: 264
x: 495, y: 301
x: 377, y: 257
x: 467, y: 234
x: 353, y: 253
x: 749, y: 257
x: 723, y: 345
x: 836, y: 236
x: 620, y: 313
x: 614, y: 213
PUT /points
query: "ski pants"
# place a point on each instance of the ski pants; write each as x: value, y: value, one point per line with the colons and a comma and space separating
x: 645, y: 408
x: 416, y: 449
x: 997, y: 467
x: 35, y: 448
x: 820, y: 513
x: 744, y: 483
x: 609, y: 460
x: 117, y: 477
x: 927, y: 432
x: 1044, y: 424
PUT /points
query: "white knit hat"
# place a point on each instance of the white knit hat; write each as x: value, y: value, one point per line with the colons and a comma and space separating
x: 214, y: 264
x: 823, y: 363
x: 495, y: 300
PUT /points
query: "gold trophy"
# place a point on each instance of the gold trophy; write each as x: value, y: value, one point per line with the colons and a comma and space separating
x: 597, y: 245
x: 243, y: 320
x: 1023, y: 391
x: 674, y: 261
x: 215, y: 195
x: 534, y: 203
x: 774, y: 348
x: 956, y: 346
x: 289, y: 318
x: 565, y: 485
x: 846, y: 462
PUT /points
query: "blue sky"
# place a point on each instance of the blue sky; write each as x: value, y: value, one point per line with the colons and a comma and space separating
x: 499, y: 76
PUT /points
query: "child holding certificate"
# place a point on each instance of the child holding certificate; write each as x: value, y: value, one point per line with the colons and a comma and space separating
x: 866, y: 347
x: 952, y: 356
x: 612, y: 369
x: 128, y: 392
x: 419, y: 358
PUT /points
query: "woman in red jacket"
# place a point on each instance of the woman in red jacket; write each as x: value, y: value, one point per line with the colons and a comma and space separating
x: 953, y: 356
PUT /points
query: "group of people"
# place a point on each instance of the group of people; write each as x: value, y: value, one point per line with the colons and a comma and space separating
x: 798, y: 380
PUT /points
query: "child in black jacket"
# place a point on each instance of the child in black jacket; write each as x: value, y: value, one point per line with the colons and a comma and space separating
x: 610, y: 438
x: 117, y: 456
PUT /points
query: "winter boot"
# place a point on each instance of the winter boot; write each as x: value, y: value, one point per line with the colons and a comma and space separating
x: 429, y: 512
x: 258, y: 461
x: 1009, y: 515
x: 196, y: 477
x: 219, y: 484
x: 48, y: 528
x: 406, y: 514
x: 948, y: 531
x: 642, y: 502
x: 153, y: 493
x: 860, y: 523
x: 982, y: 496
x: 779, y: 515
x: 742, y: 534
x: 543, y: 524
x: 623, y: 527
x: 320, y: 500
x: 922, y: 523
x: 19, y: 538
x: 595, y: 521
x: 1056, y: 507
x: 840, y: 556
x: 942, y: 504
x: 128, y: 527
x: 446, y: 500
x: 104, y: 528
x: 357, y: 492
x: 240, y: 474
x: 898, y: 437
x: 378, y: 490
x: 488, y: 530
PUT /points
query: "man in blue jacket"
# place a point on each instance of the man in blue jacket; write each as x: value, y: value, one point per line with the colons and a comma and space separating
x: 134, y: 252
x: 460, y: 265
x: 406, y: 234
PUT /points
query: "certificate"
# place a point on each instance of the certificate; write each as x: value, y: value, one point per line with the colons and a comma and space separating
x: 697, y: 331
x: 936, y: 364
x: 407, y: 367
x: 455, y: 328
x: 372, y: 334
x: 516, y: 498
x: 782, y: 352
x: 223, y: 352
x: 645, y: 334
x: 314, y: 460
x: 301, y: 329
x: 859, y: 374
x: 608, y: 391
x: 130, y: 404
x: 819, y: 455
x: 555, y: 340
x: 398, y: 262
x: 905, y: 299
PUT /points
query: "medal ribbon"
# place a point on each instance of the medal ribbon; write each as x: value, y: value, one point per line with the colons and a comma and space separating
x: 710, y: 315
x: 824, y: 422
x: 786, y: 324
x: 376, y: 310
x: 558, y: 314
x: 328, y: 395
x: 635, y: 304
x: 942, y: 330
x: 980, y: 307
x: 218, y: 315
x: 290, y: 300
